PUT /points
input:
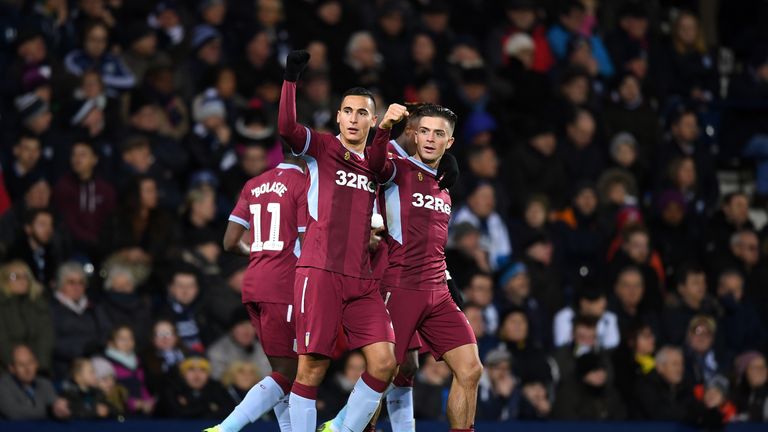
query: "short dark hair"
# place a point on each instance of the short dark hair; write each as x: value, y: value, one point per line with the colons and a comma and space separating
x: 26, y: 135
x: 585, y: 321
x: 688, y: 269
x: 182, y: 268
x: 360, y: 91
x: 728, y: 198
x: 85, y: 143
x: 32, y: 214
x: 135, y: 142
x: 434, y: 110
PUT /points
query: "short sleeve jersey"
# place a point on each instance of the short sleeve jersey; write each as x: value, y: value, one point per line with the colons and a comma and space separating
x: 273, y: 206
x: 340, y: 200
x: 417, y: 214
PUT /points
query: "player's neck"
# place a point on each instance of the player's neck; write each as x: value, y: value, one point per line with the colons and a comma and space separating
x: 357, y: 148
x: 434, y: 164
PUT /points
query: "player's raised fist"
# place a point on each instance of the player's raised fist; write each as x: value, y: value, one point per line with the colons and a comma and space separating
x: 394, y: 114
x: 295, y: 64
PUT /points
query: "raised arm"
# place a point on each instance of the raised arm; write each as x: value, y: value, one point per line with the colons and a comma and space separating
x: 383, y: 167
x: 292, y: 132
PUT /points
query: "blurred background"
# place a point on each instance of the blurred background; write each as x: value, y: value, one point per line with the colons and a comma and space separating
x: 607, y: 230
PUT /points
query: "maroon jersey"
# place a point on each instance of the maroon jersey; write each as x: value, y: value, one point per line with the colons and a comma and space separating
x: 417, y: 214
x: 273, y: 206
x: 340, y: 197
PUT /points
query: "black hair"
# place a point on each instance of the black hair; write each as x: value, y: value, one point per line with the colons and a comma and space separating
x: 688, y: 269
x: 728, y: 198
x: 32, y: 214
x: 569, y: 6
x: 135, y: 142
x: 360, y: 91
x: 433, y: 110
x: 26, y: 135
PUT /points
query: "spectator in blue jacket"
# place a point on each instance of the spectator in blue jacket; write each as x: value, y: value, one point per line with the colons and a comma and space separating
x: 570, y: 22
x: 94, y: 55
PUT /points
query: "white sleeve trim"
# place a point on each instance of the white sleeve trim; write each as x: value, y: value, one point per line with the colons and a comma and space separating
x: 302, y: 229
x: 237, y: 220
x: 306, y: 144
x: 394, y: 173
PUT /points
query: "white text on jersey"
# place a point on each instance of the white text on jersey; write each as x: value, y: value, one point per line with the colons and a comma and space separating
x: 274, y: 187
x: 357, y: 181
x: 431, y: 203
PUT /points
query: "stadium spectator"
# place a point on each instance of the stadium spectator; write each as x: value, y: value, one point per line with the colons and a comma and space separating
x: 529, y: 360
x: 690, y: 300
x: 498, y: 397
x: 125, y: 306
x: 665, y: 395
x: 195, y: 395
x: 571, y: 20
x: 740, y: 323
x: 26, y: 396
x: 94, y: 54
x: 430, y: 388
x: 86, y: 401
x: 40, y: 247
x: 116, y: 394
x: 702, y: 361
x: 25, y: 165
x: 128, y: 370
x: 692, y: 72
x: 515, y: 292
x: 464, y: 254
x: 485, y: 340
x: 84, y: 199
x: 636, y: 252
x: 578, y: 234
x: 80, y: 326
x: 25, y: 317
x: 37, y: 195
x: 591, y: 303
x: 480, y: 292
x: 633, y: 360
x: 336, y: 390
x: 591, y: 396
x: 183, y: 307
x: 538, y: 255
x: 480, y: 211
x: 627, y: 301
x: 163, y: 356
x: 751, y: 390
x: 239, y: 344
x: 239, y: 377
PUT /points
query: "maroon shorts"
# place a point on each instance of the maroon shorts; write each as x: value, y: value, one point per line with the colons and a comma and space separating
x: 325, y: 300
x: 275, y: 327
x: 430, y: 314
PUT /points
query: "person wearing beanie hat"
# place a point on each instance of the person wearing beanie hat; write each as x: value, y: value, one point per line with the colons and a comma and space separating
x: 116, y: 394
x: 196, y: 395
x: 210, y: 143
x: 498, y: 394
x: 34, y: 112
x: 239, y: 343
x: 206, y: 54
x: 514, y: 284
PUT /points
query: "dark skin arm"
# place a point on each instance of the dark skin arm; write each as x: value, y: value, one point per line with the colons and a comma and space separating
x: 233, y: 242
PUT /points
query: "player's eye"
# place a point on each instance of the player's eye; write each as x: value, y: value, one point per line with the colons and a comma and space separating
x: 363, y: 113
x: 347, y: 110
x: 440, y: 134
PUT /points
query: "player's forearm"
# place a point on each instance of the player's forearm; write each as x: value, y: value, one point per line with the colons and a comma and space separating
x: 292, y: 132
x: 378, y: 155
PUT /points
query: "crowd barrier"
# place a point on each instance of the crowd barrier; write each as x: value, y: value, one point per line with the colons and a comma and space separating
x: 421, y: 426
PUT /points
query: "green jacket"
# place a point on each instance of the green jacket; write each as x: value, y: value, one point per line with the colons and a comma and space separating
x: 27, y: 321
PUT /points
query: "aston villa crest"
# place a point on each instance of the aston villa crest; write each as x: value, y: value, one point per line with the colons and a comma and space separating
x: 346, y: 155
x: 420, y: 176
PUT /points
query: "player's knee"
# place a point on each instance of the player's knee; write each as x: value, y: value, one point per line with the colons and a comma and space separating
x: 383, y: 366
x: 469, y: 374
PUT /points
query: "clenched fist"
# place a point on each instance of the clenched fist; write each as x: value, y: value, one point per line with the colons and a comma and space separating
x: 394, y: 114
x: 295, y: 64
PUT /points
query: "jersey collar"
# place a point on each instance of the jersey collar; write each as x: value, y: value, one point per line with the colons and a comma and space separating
x: 362, y: 155
x: 283, y: 165
x: 422, y: 165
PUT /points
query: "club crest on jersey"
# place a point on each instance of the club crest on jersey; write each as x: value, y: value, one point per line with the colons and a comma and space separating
x: 346, y: 155
x: 273, y: 187
x: 420, y: 176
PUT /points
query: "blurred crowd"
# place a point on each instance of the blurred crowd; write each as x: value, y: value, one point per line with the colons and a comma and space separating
x: 605, y: 272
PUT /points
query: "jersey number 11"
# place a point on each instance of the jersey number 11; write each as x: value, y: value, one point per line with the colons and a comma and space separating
x: 272, y: 244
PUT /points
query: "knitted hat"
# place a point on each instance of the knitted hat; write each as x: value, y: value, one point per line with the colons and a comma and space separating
x: 203, y: 34
x: 102, y: 368
x: 208, y: 105
x: 30, y: 106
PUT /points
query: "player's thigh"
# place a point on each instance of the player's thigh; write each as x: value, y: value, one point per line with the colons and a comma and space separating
x: 464, y: 362
x: 317, y: 304
x: 277, y: 330
x: 406, y: 309
x: 364, y: 317
x: 445, y: 326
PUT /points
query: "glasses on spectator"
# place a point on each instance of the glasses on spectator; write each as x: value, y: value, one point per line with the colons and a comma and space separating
x: 14, y: 276
x: 163, y: 334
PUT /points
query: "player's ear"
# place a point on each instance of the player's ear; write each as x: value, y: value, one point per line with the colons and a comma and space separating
x: 338, y: 116
x: 450, y: 143
x: 375, y: 121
